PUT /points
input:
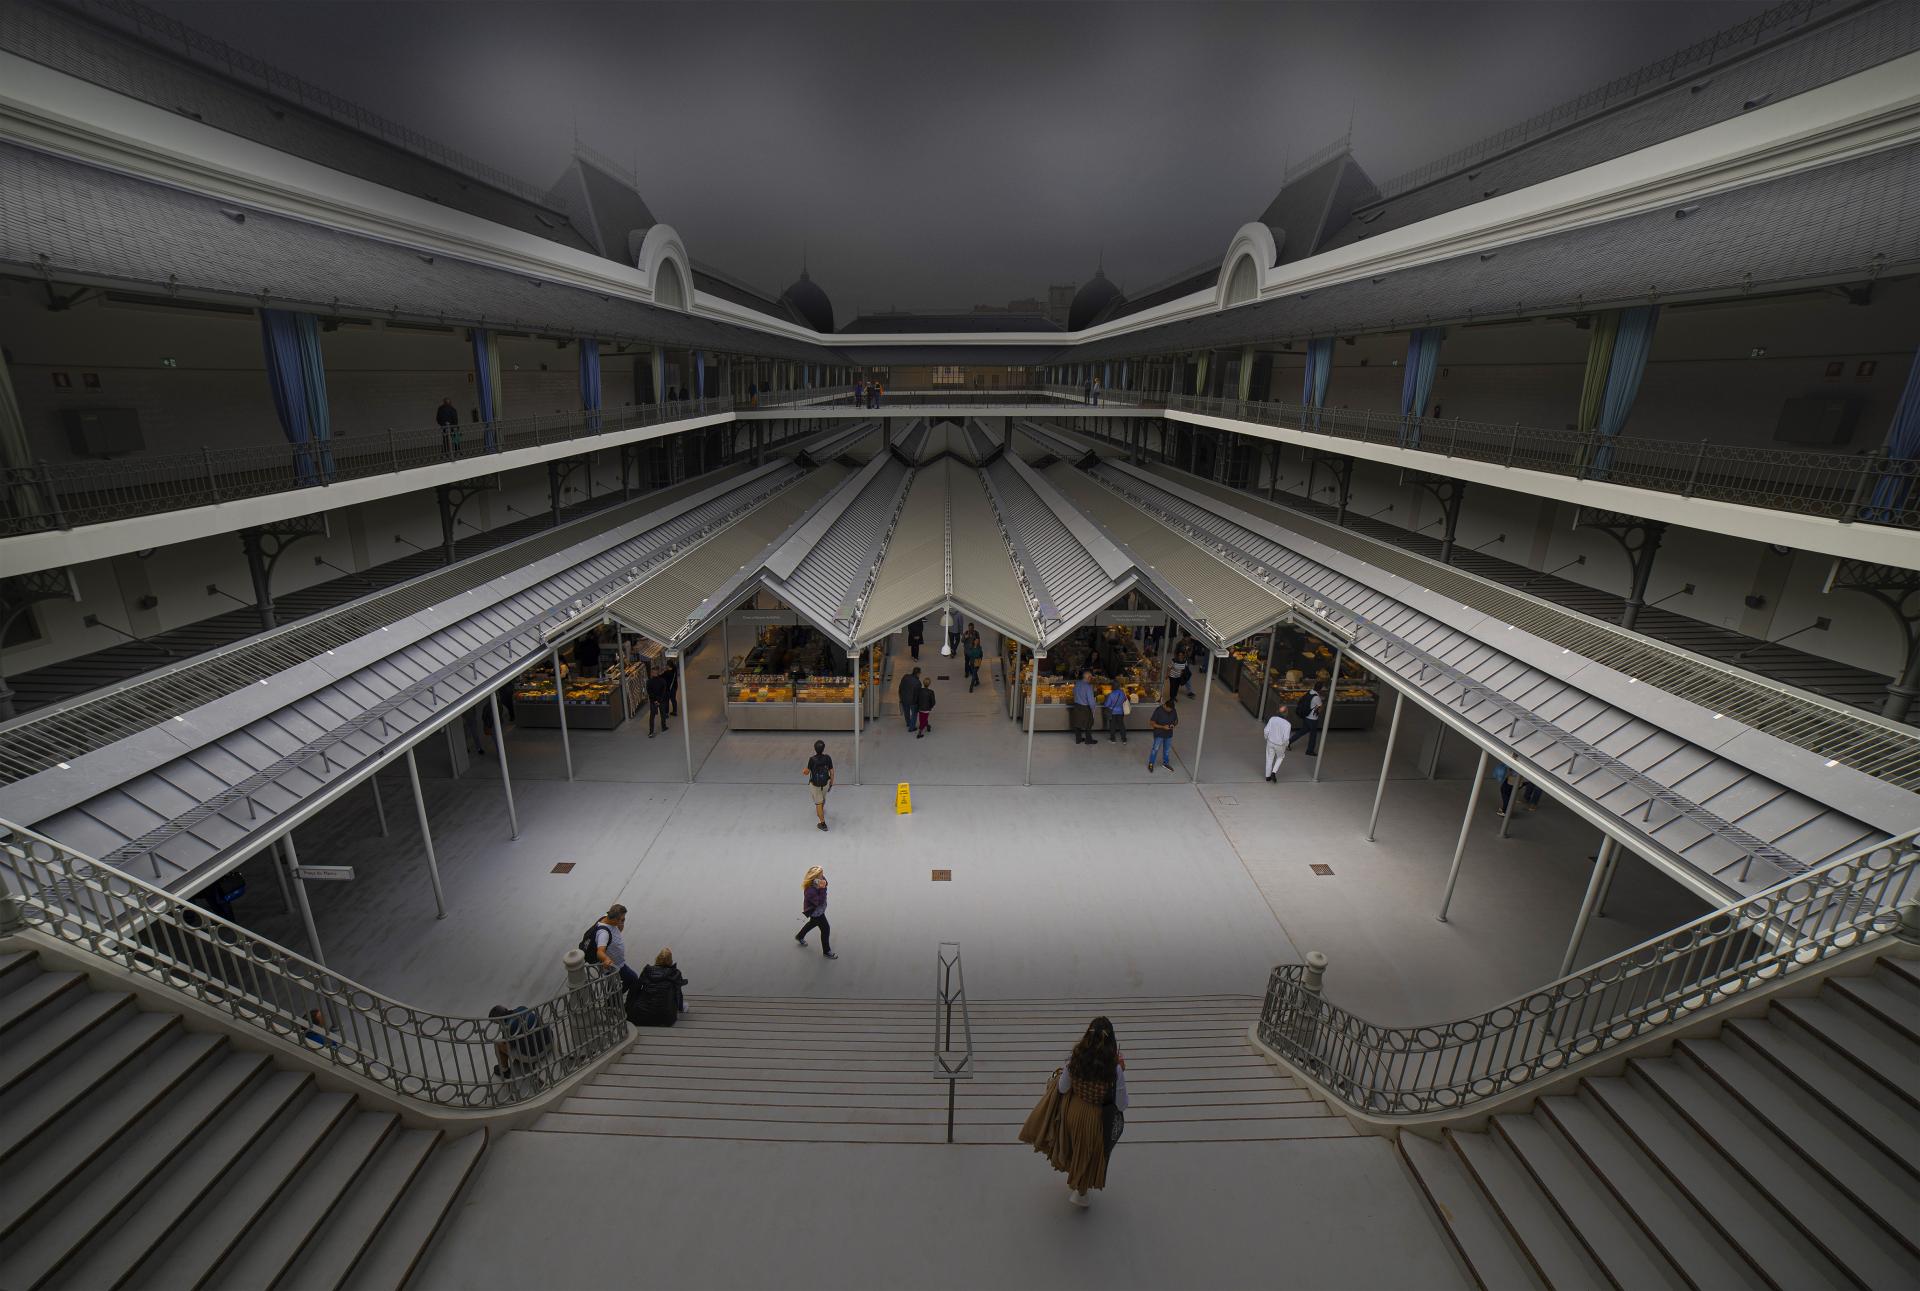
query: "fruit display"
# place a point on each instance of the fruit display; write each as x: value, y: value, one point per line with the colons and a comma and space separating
x: 759, y: 688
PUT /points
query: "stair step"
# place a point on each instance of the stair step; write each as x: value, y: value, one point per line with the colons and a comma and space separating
x: 925, y: 1094
x: 264, y: 1253
x: 43, y: 1095
x: 1482, y: 1239
x: 596, y: 1102
x: 65, y: 1026
x: 224, y: 1146
x: 341, y: 1240
x: 1854, y: 1165
x: 1884, y: 999
x: 1778, y: 1252
x: 261, y: 1175
x: 1871, y: 1044
x: 90, y: 1187
x: 1299, y: 1127
x: 1551, y: 1247
x: 16, y: 968
x: 44, y: 990
x: 1904, y: 973
x: 1616, y: 1243
x: 1663, y: 1212
x: 410, y: 1229
x: 1815, y: 1069
x: 1028, y: 1082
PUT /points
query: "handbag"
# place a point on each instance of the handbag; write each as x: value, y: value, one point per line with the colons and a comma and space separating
x: 1113, y: 1123
x: 1126, y: 706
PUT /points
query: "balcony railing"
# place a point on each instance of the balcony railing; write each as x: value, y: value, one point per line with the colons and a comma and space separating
x: 1749, y: 946
x: 430, y: 1059
x: 63, y: 495
x: 1865, y: 487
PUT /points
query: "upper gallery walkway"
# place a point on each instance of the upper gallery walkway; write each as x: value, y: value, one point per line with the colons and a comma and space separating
x: 1857, y: 506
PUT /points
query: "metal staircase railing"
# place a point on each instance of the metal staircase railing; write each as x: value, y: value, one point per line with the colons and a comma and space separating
x: 1750, y: 945
x: 426, y: 1058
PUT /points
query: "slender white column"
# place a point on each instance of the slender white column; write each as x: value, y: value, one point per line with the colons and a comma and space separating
x: 857, y: 714
x: 1326, y: 713
x: 1393, y: 731
x: 1601, y: 864
x: 1033, y: 708
x: 300, y: 891
x: 379, y: 807
x: 426, y: 836
x: 500, y: 747
x: 560, y: 707
x: 1466, y: 823
x: 1206, y: 698
x: 686, y: 718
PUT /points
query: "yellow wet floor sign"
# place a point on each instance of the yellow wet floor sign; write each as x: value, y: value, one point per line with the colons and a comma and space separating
x: 902, y: 800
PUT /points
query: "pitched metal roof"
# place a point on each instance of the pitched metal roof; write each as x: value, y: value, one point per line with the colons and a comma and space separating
x: 1068, y: 570
x: 825, y: 566
x: 665, y: 604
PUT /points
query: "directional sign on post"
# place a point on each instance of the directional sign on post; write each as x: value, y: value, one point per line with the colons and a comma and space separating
x: 324, y: 873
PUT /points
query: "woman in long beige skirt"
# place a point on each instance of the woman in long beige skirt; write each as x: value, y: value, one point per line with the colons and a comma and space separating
x: 1078, y: 1118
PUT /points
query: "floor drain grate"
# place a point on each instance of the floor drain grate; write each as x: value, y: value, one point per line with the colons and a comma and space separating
x: 1226, y: 800
x: 564, y: 867
x: 943, y: 876
x: 1325, y: 871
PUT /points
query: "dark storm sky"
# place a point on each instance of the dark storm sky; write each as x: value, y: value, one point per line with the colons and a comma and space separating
x: 942, y: 154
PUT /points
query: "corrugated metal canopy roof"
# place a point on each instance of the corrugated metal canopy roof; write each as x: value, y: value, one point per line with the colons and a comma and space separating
x: 665, y: 604
x: 823, y: 569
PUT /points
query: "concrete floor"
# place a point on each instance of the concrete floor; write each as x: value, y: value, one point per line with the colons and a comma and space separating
x: 1100, y: 881
x: 1099, y: 878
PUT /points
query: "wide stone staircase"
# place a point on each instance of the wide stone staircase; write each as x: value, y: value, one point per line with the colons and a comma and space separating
x: 1784, y: 1152
x: 862, y: 1071
x: 136, y: 1152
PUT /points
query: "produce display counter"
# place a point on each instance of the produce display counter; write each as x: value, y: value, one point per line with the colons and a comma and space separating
x: 1120, y: 647
x: 1300, y: 659
x: 786, y: 676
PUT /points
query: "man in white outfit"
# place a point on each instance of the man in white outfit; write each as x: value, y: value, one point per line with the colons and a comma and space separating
x: 1279, y: 732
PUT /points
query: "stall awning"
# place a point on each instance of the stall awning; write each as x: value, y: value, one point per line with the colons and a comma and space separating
x: 823, y: 568
x: 1069, y: 570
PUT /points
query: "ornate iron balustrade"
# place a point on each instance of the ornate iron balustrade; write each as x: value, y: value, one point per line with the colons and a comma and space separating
x: 431, y: 1059
x: 1867, y: 487
x: 61, y: 495
x: 1413, y: 1071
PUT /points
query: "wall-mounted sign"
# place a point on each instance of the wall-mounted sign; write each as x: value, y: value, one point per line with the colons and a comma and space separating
x: 764, y: 618
x: 324, y: 873
x: 1130, y: 618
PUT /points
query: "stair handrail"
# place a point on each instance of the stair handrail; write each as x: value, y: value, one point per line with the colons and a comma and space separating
x: 1392, y: 1072
x: 419, y: 1056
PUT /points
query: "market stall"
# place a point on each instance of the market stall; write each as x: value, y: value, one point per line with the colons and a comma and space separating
x: 1299, y: 660
x: 606, y: 682
x: 1125, y: 648
x: 783, y: 675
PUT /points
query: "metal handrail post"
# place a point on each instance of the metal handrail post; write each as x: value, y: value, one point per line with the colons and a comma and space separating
x: 1466, y: 824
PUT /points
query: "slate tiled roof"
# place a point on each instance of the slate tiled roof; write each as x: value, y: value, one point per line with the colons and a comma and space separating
x: 77, y: 220
x: 1848, y: 42
x: 878, y: 323
x: 1858, y: 218
x: 69, y: 42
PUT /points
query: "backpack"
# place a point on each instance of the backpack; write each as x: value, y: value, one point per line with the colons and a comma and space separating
x: 590, y: 944
x: 816, y: 772
x: 1302, y: 705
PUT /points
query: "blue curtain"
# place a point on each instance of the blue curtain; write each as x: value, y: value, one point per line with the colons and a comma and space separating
x: 1632, y: 343
x: 590, y: 379
x: 298, y: 379
x: 483, y: 379
x: 699, y: 374
x: 1313, y: 385
x: 1416, y: 383
x: 1903, y: 450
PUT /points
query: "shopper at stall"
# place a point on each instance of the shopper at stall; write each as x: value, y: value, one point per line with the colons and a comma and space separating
x: 1116, y: 706
x: 1279, y: 733
x: 1082, y: 1114
x: 1080, y: 712
x: 1180, y: 675
x: 1307, y: 713
x: 673, y: 687
x: 820, y: 781
x: 1163, y: 720
x: 813, y: 908
x: 910, y: 699
x: 659, y: 699
x: 971, y: 654
x: 916, y: 635
x: 657, y: 997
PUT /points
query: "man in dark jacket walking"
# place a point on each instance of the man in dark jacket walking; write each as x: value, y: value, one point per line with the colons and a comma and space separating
x: 916, y: 634
x: 910, y: 699
x: 659, y: 699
